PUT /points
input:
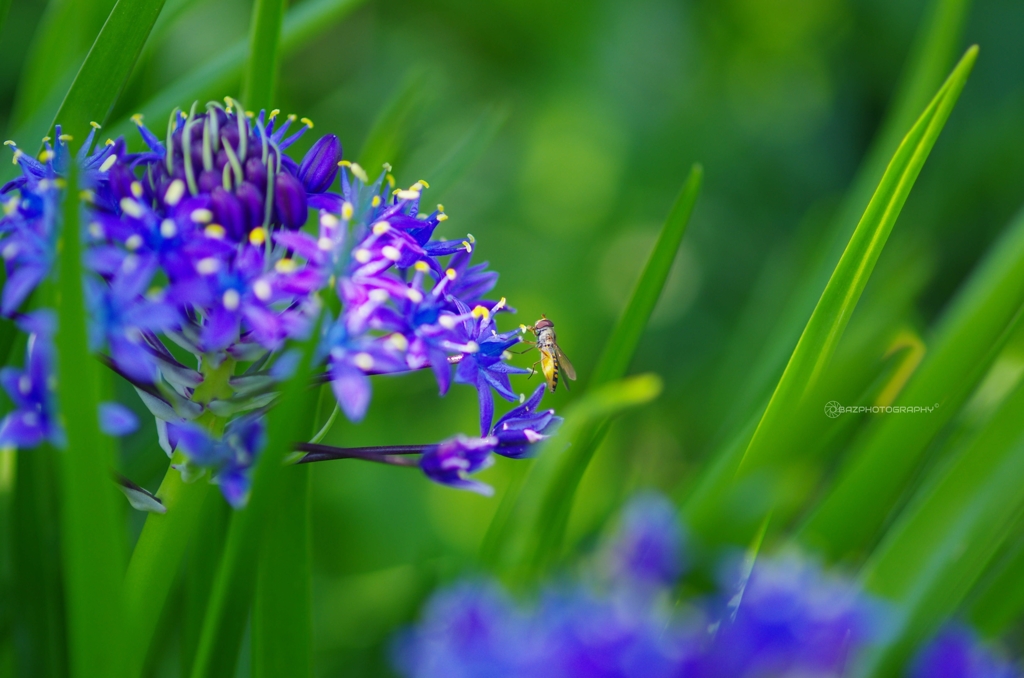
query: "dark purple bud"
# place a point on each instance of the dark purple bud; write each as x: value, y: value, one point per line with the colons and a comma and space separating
x: 320, y: 165
x: 209, y: 180
x: 289, y: 201
x: 251, y: 200
x: 220, y: 160
x: 229, y: 213
x: 256, y: 173
x: 229, y: 135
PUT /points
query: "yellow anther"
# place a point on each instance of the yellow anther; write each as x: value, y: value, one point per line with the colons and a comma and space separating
x: 381, y: 227
x: 66, y: 138
x: 346, y: 210
x: 250, y: 114
x: 450, y: 274
x: 470, y: 238
x: 46, y: 140
x: 136, y: 188
x: 10, y: 143
x: 500, y: 305
x: 174, y: 192
x: 482, y: 312
x: 469, y: 248
x: 376, y: 201
x: 201, y: 216
x: 95, y: 125
x: 108, y: 142
x: 274, y: 113
x: 46, y: 156
x: 424, y: 182
x: 440, y: 207
x: 344, y: 163
x: 407, y: 195
x: 285, y: 266
x: 391, y: 180
x: 87, y: 195
x: 442, y: 217
x: 17, y: 155
x: 307, y: 122
x: 257, y: 236
x: 422, y: 266
x: 292, y: 117
x: 387, y: 166
x: 108, y: 163
x: 215, y: 231
x: 523, y: 328
x: 359, y: 172
x: 137, y: 118
x: 228, y: 100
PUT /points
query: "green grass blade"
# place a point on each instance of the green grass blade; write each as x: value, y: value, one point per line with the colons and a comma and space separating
x: 228, y: 609
x: 621, y: 345
x: 552, y: 505
x: 38, y: 614
x: 1001, y: 603
x: 92, y: 534
x: 387, y: 137
x: 155, y: 561
x: 943, y: 541
x: 934, y: 49
x: 966, y: 341
x: 282, y: 619
x: 542, y: 507
x: 66, y: 31
x: 825, y: 327
x: 467, y: 150
x: 260, y: 80
x: 222, y: 73
x: 108, y: 65
x: 202, y: 559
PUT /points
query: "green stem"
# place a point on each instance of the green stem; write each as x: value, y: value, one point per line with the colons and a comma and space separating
x: 264, y: 41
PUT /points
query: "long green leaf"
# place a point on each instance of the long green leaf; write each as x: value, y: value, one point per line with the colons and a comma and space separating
x: 934, y: 49
x: 622, y: 344
x: 38, y: 614
x: 260, y: 80
x: 282, y: 624
x: 154, y: 561
x: 538, y: 507
x: 107, y: 67
x: 199, y: 570
x: 66, y: 31
x: 228, y: 610
x: 92, y: 535
x: 943, y: 541
x: 825, y: 327
x: 966, y: 341
x: 553, y: 508
x: 1001, y: 603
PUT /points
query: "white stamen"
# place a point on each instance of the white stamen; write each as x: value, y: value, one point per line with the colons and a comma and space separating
x: 415, y: 296
x: 168, y: 228
x: 108, y: 163
x: 381, y: 227
x: 231, y: 299
x: 202, y: 216
x: 96, y: 230
x: 131, y: 208
x: 136, y: 189
x: 363, y: 361
x: 363, y: 255
x: 379, y: 296
x: 472, y: 347
x: 398, y: 341
x: 261, y: 288
x: 133, y: 242
x: 24, y: 384
x: 10, y: 251
x: 208, y: 266
x: 174, y: 192
x: 325, y: 244
x: 329, y: 220
x: 391, y: 253
x: 448, y: 322
x: 130, y: 263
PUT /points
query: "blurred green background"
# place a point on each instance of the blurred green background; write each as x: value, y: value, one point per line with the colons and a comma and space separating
x: 582, y: 120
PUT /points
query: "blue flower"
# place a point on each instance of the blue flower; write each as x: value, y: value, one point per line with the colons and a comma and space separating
x: 523, y: 426
x: 229, y: 458
x: 648, y: 546
x: 957, y: 652
x: 451, y: 462
x: 31, y: 389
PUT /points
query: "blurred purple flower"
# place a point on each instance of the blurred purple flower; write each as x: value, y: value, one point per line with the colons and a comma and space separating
x: 957, y: 652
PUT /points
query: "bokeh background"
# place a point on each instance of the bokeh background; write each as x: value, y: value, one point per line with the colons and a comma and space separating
x: 581, y: 120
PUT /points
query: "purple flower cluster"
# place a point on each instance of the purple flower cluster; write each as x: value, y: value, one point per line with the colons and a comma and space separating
x: 786, y: 618
x: 957, y: 652
x: 202, y: 263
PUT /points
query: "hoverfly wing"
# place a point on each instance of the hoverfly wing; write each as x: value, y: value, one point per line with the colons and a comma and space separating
x: 566, y: 366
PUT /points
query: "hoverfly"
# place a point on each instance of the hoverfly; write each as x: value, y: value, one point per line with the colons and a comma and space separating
x: 552, y: 360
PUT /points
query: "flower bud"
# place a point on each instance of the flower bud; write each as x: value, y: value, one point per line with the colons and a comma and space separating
x: 319, y: 167
x: 289, y: 201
